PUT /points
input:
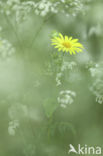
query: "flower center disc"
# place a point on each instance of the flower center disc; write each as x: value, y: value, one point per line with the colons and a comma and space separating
x: 66, y: 44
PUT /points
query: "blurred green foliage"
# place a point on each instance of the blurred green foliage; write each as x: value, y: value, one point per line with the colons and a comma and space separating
x: 32, y: 122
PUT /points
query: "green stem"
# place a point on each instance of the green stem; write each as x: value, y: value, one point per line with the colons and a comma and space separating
x: 39, y: 29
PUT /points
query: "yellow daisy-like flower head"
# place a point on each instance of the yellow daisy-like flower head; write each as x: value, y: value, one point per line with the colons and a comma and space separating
x: 67, y: 44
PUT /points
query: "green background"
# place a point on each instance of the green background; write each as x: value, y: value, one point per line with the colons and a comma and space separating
x: 45, y: 128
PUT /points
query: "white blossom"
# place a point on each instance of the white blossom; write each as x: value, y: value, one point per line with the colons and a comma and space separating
x: 66, y: 97
x: 12, y: 127
x: 6, y: 49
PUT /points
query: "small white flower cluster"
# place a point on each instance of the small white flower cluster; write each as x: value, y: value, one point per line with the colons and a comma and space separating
x: 94, y: 70
x: 69, y: 7
x: 97, y: 90
x: 44, y: 7
x: 18, y: 8
x: 12, y: 127
x: 73, y: 7
x: 7, y: 7
x: 68, y: 65
x: 6, y: 49
x: 65, y: 66
x: 99, y: 99
x: 15, y: 113
x: 23, y: 9
x: 97, y: 87
x: 41, y: 7
x: 66, y: 97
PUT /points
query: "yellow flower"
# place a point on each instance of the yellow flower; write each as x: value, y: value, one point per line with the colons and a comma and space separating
x: 67, y: 44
